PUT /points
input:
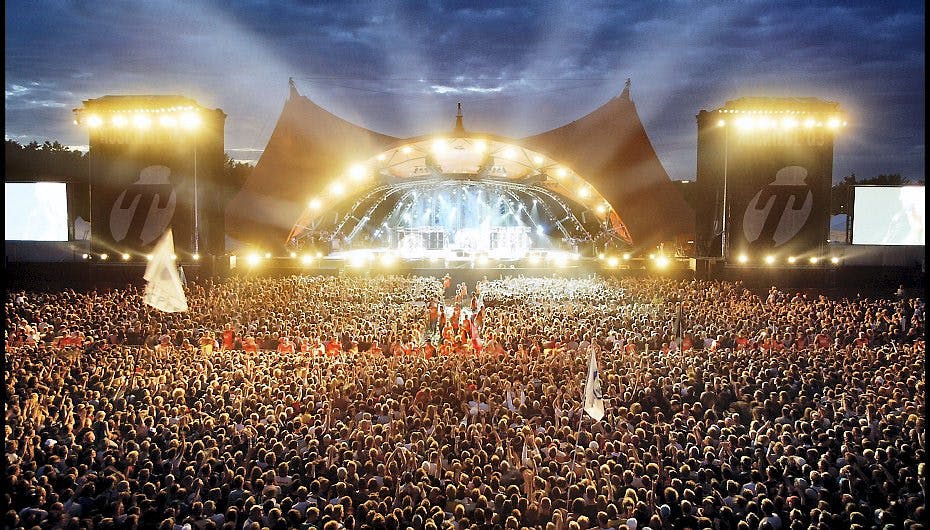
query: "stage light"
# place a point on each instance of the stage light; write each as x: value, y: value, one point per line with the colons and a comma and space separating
x: 267, y: 255
x: 534, y: 259
x: 119, y: 121
x: 509, y: 153
x: 814, y: 260
x: 742, y: 258
x: 834, y: 123
x: 482, y: 260
x: 306, y: 259
x: 314, y: 204
x: 561, y: 172
x: 141, y: 121
x: 789, y: 123
x: 538, y: 160
x: 626, y: 256
x: 745, y: 123
x: 584, y: 192
x: 835, y: 260
x: 767, y: 123
x: 613, y: 261
x: 168, y: 121
x: 601, y: 209
x: 357, y: 261
x: 293, y: 255
x: 253, y: 259
x: 94, y: 121
x: 406, y: 149
x: 721, y: 123
x: 662, y: 261
x: 381, y: 157
x: 387, y: 259
x: 337, y: 188
x: 174, y: 257
x: 319, y: 254
x: 652, y: 256
x: 480, y: 146
x: 148, y: 257
x: 190, y: 120
x: 357, y: 172
x: 792, y: 259
x: 770, y: 259
x: 540, y: 230
x: 439, y: 146
x: 85, y: 256
x: 104, y: 256
x: 809, y: 123
x: 126, y: 257
x: 195, y: 257
x: 600, y: 255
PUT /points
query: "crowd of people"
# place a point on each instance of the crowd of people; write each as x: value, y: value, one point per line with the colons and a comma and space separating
x: 345, y: 403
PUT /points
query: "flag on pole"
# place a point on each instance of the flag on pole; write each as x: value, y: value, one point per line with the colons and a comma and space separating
x: 593, y: 399
x: 164, y: 290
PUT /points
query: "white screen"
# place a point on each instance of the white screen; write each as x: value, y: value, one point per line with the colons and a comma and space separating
x: 888, y: 215
x: 36, y: 211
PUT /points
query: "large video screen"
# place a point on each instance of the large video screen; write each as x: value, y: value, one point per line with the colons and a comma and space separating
x: 36, y: 211
x: 888, y: 215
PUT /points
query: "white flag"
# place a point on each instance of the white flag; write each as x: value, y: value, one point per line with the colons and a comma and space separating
x: 593, y: 399
x: 164, y: 290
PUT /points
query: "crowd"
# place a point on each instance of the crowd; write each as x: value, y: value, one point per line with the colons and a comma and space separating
x: 344, y: 403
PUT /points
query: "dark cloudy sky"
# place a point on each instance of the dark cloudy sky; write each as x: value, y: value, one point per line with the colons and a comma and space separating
x: 518, y: 67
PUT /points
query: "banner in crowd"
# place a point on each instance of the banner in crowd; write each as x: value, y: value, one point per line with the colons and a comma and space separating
x: 164, y: 290
x: 593, y: 399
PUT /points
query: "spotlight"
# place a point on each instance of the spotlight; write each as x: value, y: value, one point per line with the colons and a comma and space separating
x: 809, y: 123
x: 357, y: 261
x: 253, y: 259
x: 742, y: 258
x: 94, y: 121
x: 662, y: 261
x: 792, y: 259
x: 195, y: 257
x: 119, y: 121
x: 141, y: 121
x: 306, y: 259
x: 835, y: 260
x: 148, y: 257
x: 381, y: 157
x: 600, y: 255
x: 584, y: 192
x: 534, y: 259
x: 481, y: 146
x: 833, y: 123
x: 814, y: 260
x: 314, y: 204
x: 482, y: 260
x: 357, y: 172
x: 538, y: 160
x: 406, y: 149
x: 387, y: 260
x: 789, y: 123
x: 337, y: 188
x: 721, y: 123
x: 125, y: 257
x: 267, y: 255
x: 439, y: 146
x: 104, y: 256
x: 293, y: 255
x: 770, y: 259
x: 561, y: 172
x: 613, y: 261
x: 601, y: 209
x: 626, y: 256
x: 168, y: 121
x: 85, y: 256
x: 190, y: 120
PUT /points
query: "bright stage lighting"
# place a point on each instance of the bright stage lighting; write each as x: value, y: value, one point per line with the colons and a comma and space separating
x: 537, y: 159
x: 174, y: 257
x: 742, y: 258
x: 195, y: 257
x: 406, y: 149
x: 126, y: 257
x: 662, y: 261
x: 534, y: 259
x: 148, y: 257
x: 337, y: 188
x: 584, y: 192
x: 387, y: 260
x: 481, y: 146
x: 190, y: 120
x: 94, y: 121
x: 141, y: 121
x: 253, y: 259
x: 119, y: 121
x: 306, y: 259
x: 814, y: 260
x: 293, y: 255
x: 613, y: 261
x: 721, y: 123
x: 440, y: 146
x: 770, y: 259
x: 561, y: 172
x: 314, y: 204
x: 357, y: 261
x: 789, y: 123
x: 482, y: 260
x: 168, y: 121
x: 267, y: 255
x: 104, y: 256
x: 835, y: 260
x: 626, y: 256
x: 809, y: 123
x: 509, y: 153
x: 357, y: 172
x: 85, y: 256
x: 834, y: 123
x: 792, y: 259
x: 601, y: 209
